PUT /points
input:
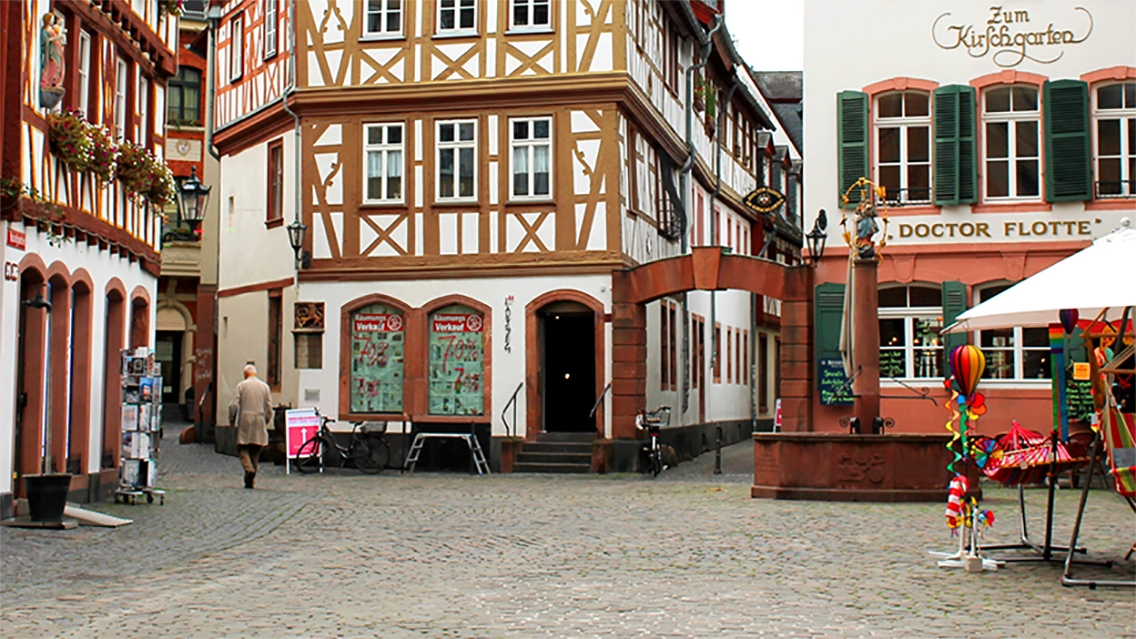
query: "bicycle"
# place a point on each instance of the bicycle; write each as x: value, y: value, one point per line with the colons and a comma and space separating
x: 368, y: 448
x: 652, y: 422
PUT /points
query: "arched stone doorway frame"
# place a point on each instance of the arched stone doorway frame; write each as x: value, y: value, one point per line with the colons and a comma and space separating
x: 185, y: 359
x: 710, y: 269
x: 534, y: 418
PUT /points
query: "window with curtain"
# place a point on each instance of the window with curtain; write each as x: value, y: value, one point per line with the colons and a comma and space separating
x: 84, y: 74
x: 903, y: 146
x: 383, y: 159
x: 1013, y: 353
x: 529, y: 14
x: 184, y: 97
x: 457, y: 15
x: 910, y: 320
x: 531, y: 143
x: 1011, y: 141
x: 270, y: 30
x: 122, y: 72
x: 457, y: 146
x: 236, y: 50
x: 383, y: 18
x: 1114, y: 115
x: 275, y: 180
x: 143, y: 100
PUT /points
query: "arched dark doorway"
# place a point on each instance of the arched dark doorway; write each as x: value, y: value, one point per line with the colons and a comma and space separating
x: 30, y: 379
x: 564, y: 360
x: 567, y: 341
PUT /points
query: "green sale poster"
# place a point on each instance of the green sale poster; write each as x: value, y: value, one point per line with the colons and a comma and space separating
x: 457, y: 362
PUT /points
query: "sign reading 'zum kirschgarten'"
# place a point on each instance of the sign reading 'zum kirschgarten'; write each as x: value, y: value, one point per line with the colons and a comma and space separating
x: 1011, y: 35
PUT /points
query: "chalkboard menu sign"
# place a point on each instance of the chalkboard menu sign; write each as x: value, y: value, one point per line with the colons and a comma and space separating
x: 457, y: 362
x: 892, y: 363
x: 1079, y: 399
x: 830, y: 378
x: 377, y: 347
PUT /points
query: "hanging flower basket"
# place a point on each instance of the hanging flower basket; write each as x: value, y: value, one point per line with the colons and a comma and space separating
x: 172, y: 7
x: 69, y: 139
x: 143, y: 174
x: 104, y: 154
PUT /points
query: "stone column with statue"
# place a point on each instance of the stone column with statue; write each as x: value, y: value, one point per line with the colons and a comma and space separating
x: 860, y: 335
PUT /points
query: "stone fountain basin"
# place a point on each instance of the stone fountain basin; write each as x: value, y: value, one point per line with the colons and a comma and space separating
x: 843, y: 467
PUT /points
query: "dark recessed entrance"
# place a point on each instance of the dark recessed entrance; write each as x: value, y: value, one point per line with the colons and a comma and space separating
x: 568, y: 366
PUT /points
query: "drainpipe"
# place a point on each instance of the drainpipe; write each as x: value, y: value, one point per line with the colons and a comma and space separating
x: 706, y: 43
x: 288, y: 92
x: 713, y: 229
x: 211, y: 83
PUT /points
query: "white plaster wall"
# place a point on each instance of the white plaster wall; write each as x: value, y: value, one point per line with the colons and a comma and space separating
x: 249, y: 252
x: 508, y: 367
x: 242, y: 337
x: 835, y: 61
x: 102, y: 267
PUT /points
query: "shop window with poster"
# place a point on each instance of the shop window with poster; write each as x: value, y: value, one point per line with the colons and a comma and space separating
x: 378, y: 345
x: 457, y: 361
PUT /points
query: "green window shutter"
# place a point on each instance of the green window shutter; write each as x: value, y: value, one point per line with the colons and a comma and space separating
x: 967, y: 146
x: 852, y: 130
x: 828, y: 313
x: 955, y: 161
x: 954, y: 303
x: 1068, y: 171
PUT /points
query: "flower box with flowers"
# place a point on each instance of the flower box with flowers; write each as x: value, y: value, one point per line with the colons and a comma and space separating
x: 69, y: 139
x: 172, y: 7
x: 143, y: 174
x: 104, y: 154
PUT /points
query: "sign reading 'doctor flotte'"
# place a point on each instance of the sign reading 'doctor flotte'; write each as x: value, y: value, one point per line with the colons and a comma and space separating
x: 1006, y: 230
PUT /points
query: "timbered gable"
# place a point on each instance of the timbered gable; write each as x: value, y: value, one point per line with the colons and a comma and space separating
x: 252, y: 61
x: 346, y: 43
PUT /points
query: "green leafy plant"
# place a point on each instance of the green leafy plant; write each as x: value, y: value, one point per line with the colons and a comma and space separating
x: 69, y: 139
x: 52, y: 212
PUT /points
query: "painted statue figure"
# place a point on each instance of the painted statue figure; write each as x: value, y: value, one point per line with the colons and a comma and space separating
x: 866, y: 228
x: 53, y: 39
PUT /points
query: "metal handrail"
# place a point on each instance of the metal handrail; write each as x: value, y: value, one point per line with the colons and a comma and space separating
x: 596, y: 406
x: 511, y: 430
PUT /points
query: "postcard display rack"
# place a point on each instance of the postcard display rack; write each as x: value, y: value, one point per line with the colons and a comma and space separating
x: 141, y: 427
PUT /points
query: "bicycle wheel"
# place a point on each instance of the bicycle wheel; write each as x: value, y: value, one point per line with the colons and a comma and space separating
x: 370, y: 455
x: 308, y: 457
x: 656, y: 462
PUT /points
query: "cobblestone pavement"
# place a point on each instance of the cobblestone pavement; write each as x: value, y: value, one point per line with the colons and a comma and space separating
x: 449, y: 555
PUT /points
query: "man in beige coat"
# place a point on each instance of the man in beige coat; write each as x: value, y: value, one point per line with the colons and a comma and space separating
x: 254, y: 417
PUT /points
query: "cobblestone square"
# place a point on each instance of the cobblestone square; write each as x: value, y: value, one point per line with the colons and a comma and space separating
x: 449, y: 555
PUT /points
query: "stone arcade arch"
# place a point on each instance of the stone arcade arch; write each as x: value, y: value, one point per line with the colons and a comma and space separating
x: 709, y: 269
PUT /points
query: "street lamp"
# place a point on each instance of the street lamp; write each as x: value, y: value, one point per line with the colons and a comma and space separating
x: 193, y: 197
x: 816, y: 238
x: 296, y: 232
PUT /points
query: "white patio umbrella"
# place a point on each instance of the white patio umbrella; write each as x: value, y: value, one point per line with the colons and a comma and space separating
x: 1098, y: 277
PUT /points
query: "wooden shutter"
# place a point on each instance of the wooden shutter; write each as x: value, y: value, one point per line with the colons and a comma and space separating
x: 829, y: 314
x: 852, y: 125
x: 954, y: 303
x: 1068, y: 174
x: 955, y: 163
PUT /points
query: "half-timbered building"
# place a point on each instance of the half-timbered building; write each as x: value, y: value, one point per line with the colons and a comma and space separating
x: 472, y: 176
x: 75, y: 239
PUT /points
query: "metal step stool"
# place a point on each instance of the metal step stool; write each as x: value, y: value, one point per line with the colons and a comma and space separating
x: 474, y: 449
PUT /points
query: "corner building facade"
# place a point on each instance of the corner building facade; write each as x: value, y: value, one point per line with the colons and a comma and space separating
x: 471, y: 175
x: 1006, y: 139
x: 87, y: 247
